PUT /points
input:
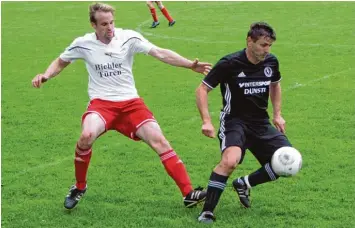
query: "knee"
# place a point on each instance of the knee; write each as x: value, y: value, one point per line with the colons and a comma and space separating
x: 160, y: 5
x: 150, y: 5
x: 86, y: 139
x: 159, y: 143
x: 228, y: 164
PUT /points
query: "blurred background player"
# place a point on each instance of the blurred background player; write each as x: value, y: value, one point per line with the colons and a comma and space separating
x: 164, y: 11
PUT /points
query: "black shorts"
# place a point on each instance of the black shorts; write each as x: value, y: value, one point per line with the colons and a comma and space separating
x: 261, y: 138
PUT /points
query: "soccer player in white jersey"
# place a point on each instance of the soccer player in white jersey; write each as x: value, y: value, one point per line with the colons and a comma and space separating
x: 114, y: 101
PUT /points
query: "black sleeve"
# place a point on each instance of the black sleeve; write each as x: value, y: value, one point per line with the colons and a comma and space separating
x: 219, y: 74
x: 277, y: 75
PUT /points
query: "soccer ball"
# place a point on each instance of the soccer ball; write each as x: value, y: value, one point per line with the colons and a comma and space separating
x: 286, y: 161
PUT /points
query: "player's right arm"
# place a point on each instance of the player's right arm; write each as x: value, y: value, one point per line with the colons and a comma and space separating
x: 202, y: 105
x: 219, y: 74
x: 76, y: 50
x: 53, y: 70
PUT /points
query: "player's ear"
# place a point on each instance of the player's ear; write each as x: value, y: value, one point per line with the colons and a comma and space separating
x: 249, y: 41
x: 93, y: 25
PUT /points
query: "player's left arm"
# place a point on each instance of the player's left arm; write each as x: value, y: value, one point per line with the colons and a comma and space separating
x: 275, y: 97
x: 174, y: 59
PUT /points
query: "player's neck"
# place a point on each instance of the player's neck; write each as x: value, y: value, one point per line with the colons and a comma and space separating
x: 104, y: 40
x: 250, y: 57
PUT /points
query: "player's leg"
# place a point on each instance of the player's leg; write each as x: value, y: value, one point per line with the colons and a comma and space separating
x: 165, y: 12
x: 263, y: 146
x: 153, y: 13
x: 232, y: 139
x: 218, y: 180
x: 151, y: 133
x: 138, y: 123
x: 92, y: 127
x: 263, y: 154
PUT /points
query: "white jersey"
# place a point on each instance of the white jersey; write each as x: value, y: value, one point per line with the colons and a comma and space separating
x: 109, y: 65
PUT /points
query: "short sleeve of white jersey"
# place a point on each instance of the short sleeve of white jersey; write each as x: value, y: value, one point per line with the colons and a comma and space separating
x: 74, y: 51
x: 138, y: 43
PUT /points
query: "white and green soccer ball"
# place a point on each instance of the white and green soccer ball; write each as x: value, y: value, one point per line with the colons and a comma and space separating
x: 286, y: 161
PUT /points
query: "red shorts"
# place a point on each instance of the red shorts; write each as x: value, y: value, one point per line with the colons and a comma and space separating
x: 123, y: 116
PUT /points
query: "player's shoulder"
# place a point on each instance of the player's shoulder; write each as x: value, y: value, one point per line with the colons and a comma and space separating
x: 234, y: 58
x: 239, y: 55
x: 128, y: 33
x: 86, y: 38
x: 271, y: 58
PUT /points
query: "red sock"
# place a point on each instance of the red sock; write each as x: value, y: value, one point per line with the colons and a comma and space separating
x: 176, y: 169
x: 166, y: 14
x: 81, y: 162
x: 154, y: 14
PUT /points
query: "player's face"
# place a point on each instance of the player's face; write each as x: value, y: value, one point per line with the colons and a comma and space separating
x: 261, y: 47
x: 104, y: 25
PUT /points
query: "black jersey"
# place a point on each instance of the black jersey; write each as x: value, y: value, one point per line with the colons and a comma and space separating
x: 244, y: 85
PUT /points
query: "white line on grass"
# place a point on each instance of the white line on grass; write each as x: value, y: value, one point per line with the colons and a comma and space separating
x: 42, y: 166
x: 46, y: 165
x: 194, y: 39
x: 297, y: 85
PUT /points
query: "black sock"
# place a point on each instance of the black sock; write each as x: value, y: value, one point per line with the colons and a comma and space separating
x: 260, y: 176
x: 215, y: 188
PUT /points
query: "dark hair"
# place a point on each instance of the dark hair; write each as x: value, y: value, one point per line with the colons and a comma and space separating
x: 95, y: 7
x: 260, y: 29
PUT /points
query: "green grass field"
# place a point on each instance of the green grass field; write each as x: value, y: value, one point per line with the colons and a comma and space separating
x: 128, y: 186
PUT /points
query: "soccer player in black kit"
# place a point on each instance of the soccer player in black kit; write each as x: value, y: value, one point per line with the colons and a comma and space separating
x: 246, y: 79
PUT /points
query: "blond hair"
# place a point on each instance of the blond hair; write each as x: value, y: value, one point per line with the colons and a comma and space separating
x: 95, y: 7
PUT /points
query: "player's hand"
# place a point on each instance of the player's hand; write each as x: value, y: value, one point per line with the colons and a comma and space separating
x: 208, y: 130
x: 201, y: 67
x: 39, y: 80
x: 279, y: 123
